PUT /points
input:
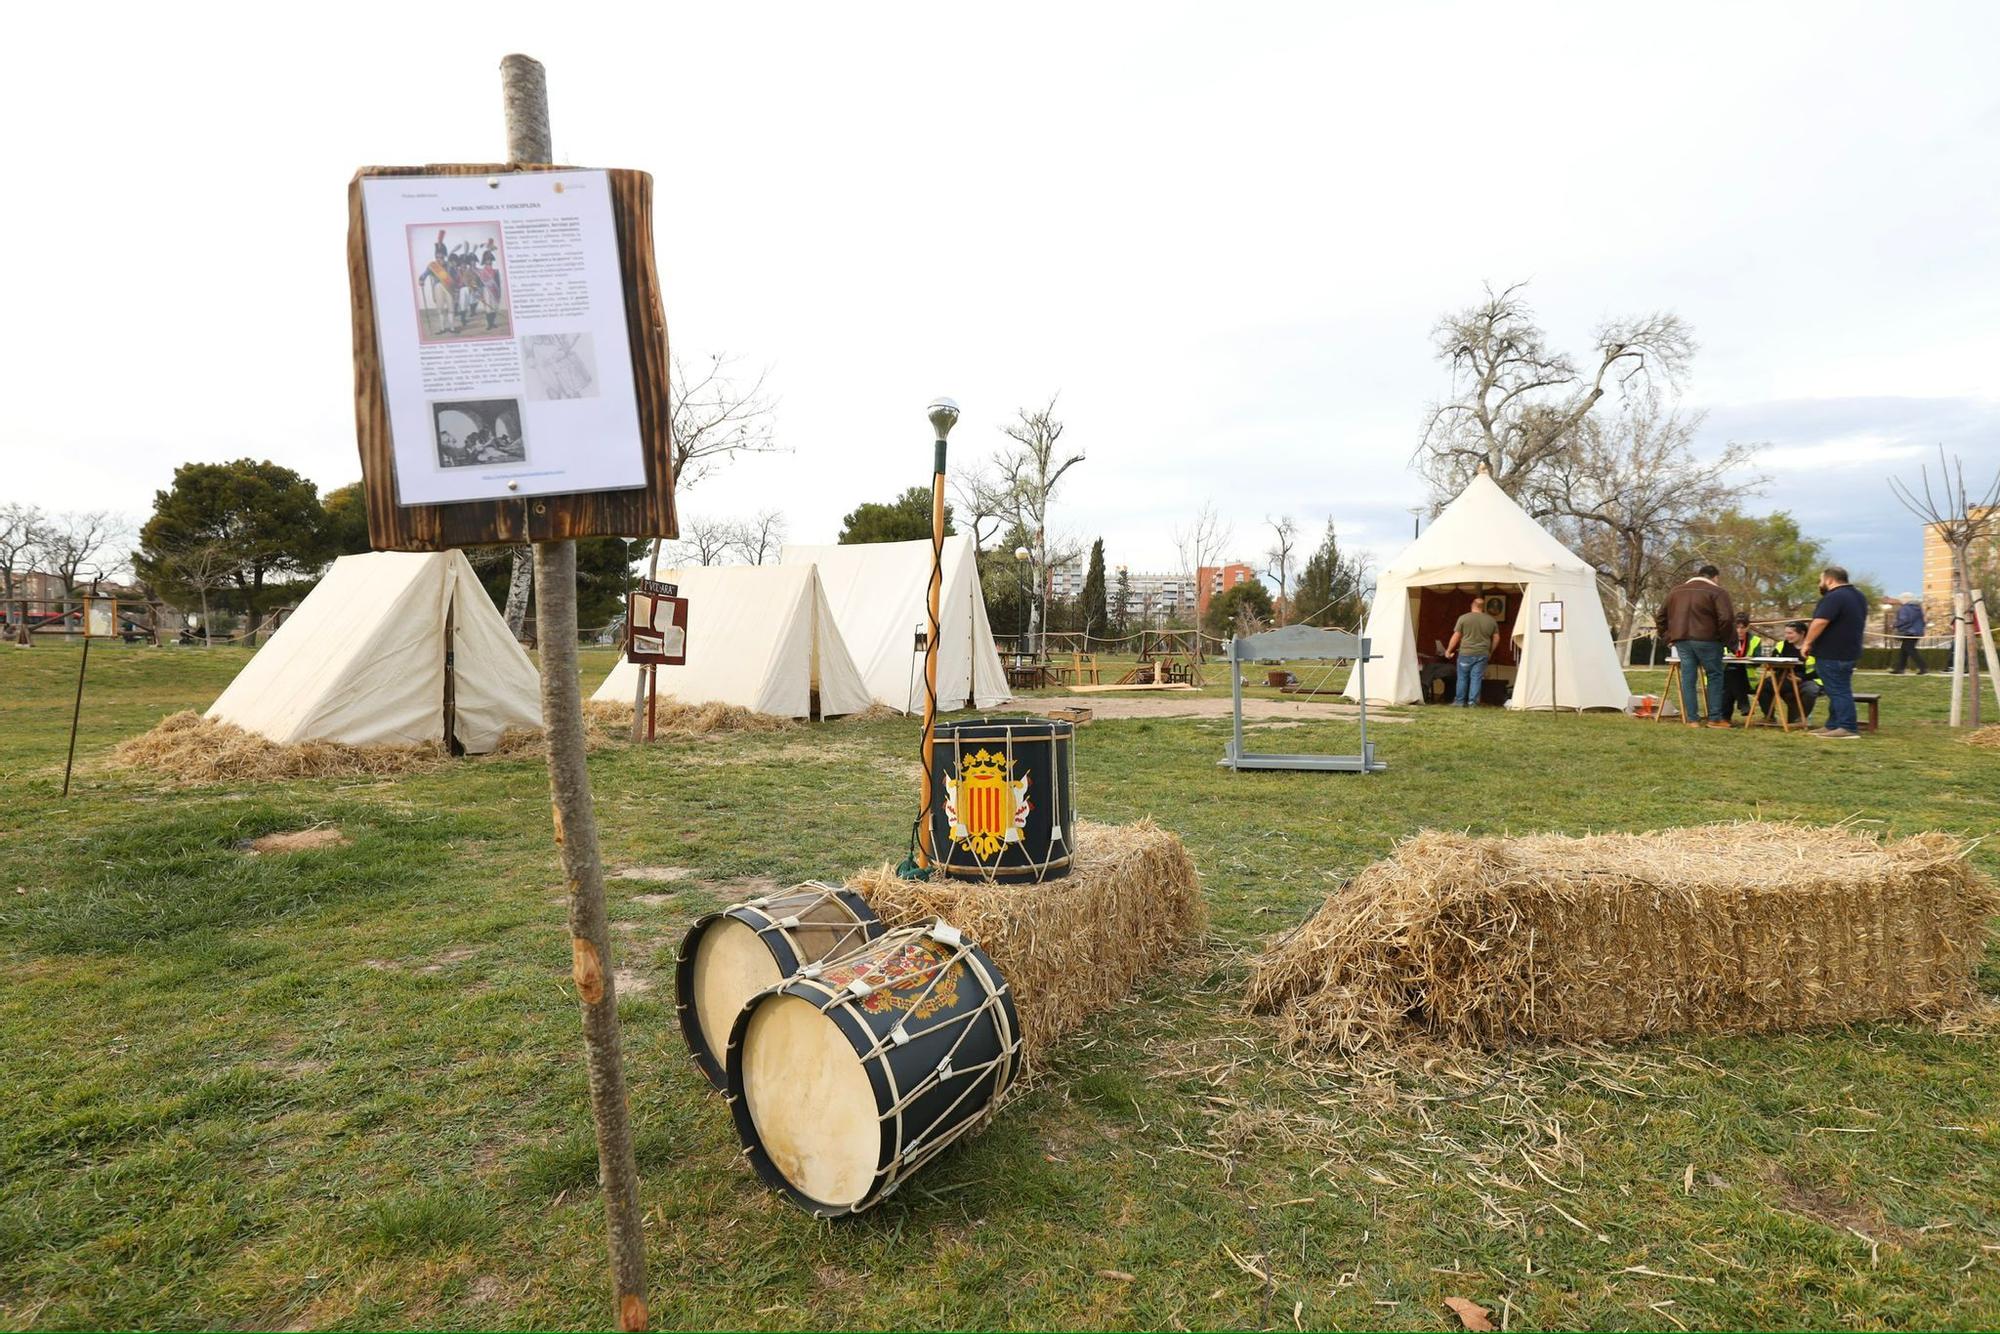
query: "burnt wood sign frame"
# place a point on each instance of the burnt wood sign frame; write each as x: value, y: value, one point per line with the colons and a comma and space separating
x: 648, y: 512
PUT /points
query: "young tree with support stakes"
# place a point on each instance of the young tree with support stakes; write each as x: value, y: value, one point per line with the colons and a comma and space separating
x: 1279, y: 561
x: 1031, y: 469
x: 1966, y: 526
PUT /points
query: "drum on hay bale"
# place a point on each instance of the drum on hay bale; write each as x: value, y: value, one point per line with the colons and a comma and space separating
x: 731, y: 955
x: 845, y: 1080
x: 1003, y: 799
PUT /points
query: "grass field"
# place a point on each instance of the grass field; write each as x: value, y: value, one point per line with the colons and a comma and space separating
x: 342, y: 1088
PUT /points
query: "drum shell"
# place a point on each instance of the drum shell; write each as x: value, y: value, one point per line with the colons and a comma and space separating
x: 1040, y: 751
x: 934, y: 1118
x: 791, y: 949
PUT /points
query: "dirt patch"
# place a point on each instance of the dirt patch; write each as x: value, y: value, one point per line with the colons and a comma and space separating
x: 745, y: 887
x: 1217, y: 706
x: 486, y: 1288
x: 298, y: 840
x: 457, y: 954
x: 655, y: 900
x: 1842, y: 1215
x: 631, y: 982
x: 652, y: 873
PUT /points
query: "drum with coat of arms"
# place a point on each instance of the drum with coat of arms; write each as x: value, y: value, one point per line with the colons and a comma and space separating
x: 1003, y: 799
x: 729, y: 956
x: 851, y: 1075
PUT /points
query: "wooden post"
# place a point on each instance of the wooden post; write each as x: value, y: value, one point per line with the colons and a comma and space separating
x: 525, y: 91
x: 642, y: 693
x: 76, y: 713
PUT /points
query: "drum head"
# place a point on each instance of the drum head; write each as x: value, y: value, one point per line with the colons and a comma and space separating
x: 811, y: 1101
x: 731, y: 964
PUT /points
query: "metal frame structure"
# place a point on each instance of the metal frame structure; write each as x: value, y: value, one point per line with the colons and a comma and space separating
x: 1288, y: 643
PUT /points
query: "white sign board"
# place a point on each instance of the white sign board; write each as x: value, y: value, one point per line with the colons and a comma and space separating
x: 500, y: 316
x: 1551, y: 616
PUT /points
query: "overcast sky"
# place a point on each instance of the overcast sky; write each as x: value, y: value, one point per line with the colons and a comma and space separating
x: 1222, y: 233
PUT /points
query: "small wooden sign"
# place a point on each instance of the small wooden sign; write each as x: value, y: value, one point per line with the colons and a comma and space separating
x: 656, y: 620
x: 494, y: 361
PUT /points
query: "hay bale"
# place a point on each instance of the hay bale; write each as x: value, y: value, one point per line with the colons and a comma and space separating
x: 1068, y: 947
x: 1718, y: 929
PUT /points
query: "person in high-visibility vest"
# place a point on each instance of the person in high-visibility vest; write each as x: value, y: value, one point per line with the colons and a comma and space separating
x: 1809, y: 684
x: 1740, y: 683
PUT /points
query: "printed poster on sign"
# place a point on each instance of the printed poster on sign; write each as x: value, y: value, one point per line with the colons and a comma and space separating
x: 1551, y: 616
x: 500, y: 319
x: 658, y: 620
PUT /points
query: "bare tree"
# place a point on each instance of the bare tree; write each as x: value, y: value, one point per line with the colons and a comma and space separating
x: 704, y: 541
x: 1632, y: 490
x: 1031, y: 470
x: 1968, y: 526
x: 1516, y: 402
x: 715, y: 413
x: 1202, y: 541
x: 1278, y: 560
x: 201, y: 568
x: 77, y: 541
x: 757, y: 540
x: 22, y: 535
x: 979, y: 503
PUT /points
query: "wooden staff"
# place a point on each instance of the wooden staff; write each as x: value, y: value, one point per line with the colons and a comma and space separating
x: 943, y: 413
x: 525, y: 91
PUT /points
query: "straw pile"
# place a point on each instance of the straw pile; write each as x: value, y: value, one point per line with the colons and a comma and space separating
x: 1986, y: 738
x: 673, y: 718
x: 1068, y: 947
x: 189, y: 748
x: 1717, y: 929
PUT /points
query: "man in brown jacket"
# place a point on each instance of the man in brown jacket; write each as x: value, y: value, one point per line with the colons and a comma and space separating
x: 1696, y: 620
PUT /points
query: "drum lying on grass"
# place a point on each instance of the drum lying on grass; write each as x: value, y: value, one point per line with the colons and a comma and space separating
x: 730, y: 956
x: 1002, y: 800
x: 844, y: 1082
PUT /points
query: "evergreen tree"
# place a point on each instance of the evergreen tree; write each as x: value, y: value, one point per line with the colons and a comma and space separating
x: 265, y: 521
x: 1329, y: 591
x: 1096, y: 620
x: 1118, y: 627
x: 907, y: 518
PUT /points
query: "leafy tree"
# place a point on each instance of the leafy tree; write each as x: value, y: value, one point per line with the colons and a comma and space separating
x: 266, y: 520
x: 1767, y: 564
x: 603, y: 576
x: 1096, y: 619
x: 907, y: 518
x: 1228, y: 609
x: 1331, y: 588
x: 346, y: 520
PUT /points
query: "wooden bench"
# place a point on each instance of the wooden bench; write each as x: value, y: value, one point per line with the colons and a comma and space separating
x: 1874, y: 703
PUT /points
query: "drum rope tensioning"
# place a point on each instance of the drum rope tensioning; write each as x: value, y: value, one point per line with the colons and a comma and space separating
x: 1004, y: 808
x: 844, y: 1081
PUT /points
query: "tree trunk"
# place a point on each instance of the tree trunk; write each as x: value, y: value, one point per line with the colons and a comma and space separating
x: 207, y: 634
x: 518, y: 585
x: 590, y: 936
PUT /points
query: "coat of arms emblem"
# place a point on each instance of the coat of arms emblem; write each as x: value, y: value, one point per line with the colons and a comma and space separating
x: 985, y: 804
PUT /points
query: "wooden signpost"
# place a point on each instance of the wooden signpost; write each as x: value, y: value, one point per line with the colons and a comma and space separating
x: 656, y: 624
x: 488, y: 372
x: 1551, y: 625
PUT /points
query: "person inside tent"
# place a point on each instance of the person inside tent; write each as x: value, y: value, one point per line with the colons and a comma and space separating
x: 1472, y: 644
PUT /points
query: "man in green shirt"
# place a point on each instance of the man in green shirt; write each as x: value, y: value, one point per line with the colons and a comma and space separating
x: 1472, y: 644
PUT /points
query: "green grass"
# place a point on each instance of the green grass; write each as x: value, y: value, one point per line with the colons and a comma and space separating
x: 343, y: 1087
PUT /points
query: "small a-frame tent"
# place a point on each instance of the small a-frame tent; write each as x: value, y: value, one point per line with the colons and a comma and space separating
x: 879, y: 593
x: 761, y: 637
x: 363, y: 660
x: 1484, y: 543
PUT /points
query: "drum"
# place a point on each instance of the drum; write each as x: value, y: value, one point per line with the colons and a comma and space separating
x: 1002, y: 799
x: 855, y: 1073
x: 730, y: 956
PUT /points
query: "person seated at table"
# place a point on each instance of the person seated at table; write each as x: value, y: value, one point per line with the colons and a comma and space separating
x: 1808, y: 675
x: 1739, y: 682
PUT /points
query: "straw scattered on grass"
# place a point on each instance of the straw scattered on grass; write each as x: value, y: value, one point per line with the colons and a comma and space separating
x: 1068, y: 947
x: 673, y: 718
x: 1986, y: 738
x: 1715, y: 929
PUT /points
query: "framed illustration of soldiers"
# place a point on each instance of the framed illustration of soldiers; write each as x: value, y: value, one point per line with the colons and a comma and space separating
x: 509, y: 354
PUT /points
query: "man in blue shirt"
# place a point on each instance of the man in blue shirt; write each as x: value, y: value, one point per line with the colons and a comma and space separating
x: 1909, y: 629
x: 1834, y: 637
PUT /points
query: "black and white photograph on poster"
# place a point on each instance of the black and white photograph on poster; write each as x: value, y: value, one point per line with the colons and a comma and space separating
x: 559, y: 365
x: 479, y: 433
x: 460, y: 278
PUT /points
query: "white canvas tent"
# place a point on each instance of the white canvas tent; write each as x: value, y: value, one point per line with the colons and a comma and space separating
x: 1485, y: 543
x: 362, y: 660
x: 761, y: 637
x: 879, y: 593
